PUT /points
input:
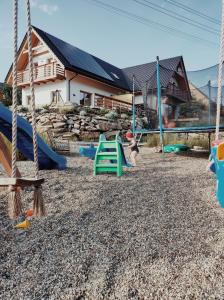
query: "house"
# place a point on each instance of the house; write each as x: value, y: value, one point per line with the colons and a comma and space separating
x: 65, y: 74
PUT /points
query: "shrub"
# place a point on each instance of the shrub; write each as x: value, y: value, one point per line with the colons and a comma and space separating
x: 67, y: 110
x: 46, y: 106
x: 24, y: 109
x: 112, y: 115
x: 124, y: 116
x: 153, y: 140
x: 103, y: 111
x: 7, y: 102
x: 83, y: 113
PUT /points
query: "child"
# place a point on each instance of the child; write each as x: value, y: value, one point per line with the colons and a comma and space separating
x: 133, y: 146
x: 165, y: 111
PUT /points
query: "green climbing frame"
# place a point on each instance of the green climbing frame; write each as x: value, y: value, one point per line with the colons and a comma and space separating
x: 108, y: 157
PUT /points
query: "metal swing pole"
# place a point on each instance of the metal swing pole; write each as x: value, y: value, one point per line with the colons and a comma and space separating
x: 221, y: 56
x: 159, y: 102
x: 209, y: 107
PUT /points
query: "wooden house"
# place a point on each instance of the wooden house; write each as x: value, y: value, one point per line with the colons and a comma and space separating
x: 65, y: 74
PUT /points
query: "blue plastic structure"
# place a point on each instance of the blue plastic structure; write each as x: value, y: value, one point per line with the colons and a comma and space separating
x: 217, y: 166
x: 48, y: 159
x: 88, y: 152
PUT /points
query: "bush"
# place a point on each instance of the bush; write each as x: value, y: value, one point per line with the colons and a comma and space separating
x: 7, y: 92
x: 153, y: 140
x: 24, y: 109
x: 7, y: 102
x: 46, y: 106
x: 67, y: 110
x: 112, y: 115
x: 124, y: 116
x: 103, y: 111
x: 83, y: 113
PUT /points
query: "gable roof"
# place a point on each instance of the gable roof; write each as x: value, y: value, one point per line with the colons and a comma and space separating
x: 77, y: 60
x: 147, y: 72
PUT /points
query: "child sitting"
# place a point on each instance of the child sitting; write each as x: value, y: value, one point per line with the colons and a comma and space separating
x: 133, y: 146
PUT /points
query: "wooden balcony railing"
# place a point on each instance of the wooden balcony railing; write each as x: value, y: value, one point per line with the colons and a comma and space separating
x: 110, y: 103
x: 41, y: 74
x: 175, y: 92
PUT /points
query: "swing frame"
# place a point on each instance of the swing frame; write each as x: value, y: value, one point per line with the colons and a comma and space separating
x: 15, y: 183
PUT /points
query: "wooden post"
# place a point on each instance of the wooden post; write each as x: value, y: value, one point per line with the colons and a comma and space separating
x: 92, y: 100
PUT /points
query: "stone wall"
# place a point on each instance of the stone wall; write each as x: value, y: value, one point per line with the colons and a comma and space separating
x: 81, y: 124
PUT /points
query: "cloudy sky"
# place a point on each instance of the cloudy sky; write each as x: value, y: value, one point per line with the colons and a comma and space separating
x: 127, y: 33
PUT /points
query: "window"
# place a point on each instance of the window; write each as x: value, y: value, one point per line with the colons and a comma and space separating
x: 85, y: 98
x: 115, y: 75
x: 56, y: 97
x: 28, y: 101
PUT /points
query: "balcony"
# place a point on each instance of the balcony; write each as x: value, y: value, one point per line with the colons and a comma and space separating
x: 178, y: 94
x: 42, y: 74
x: 111, y: 103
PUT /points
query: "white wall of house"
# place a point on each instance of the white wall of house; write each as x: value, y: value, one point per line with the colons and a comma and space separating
x: 77, y: 87
x: 151, y: 99
x: 81, y: 84
x: 41, y: 59
x: 139, y: 99
x: 43, y: 92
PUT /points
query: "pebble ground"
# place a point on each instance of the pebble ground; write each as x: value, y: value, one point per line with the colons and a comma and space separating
x: 155, y: 233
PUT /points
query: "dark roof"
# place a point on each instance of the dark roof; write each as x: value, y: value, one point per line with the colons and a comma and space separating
x: 147, y: 72
x: 77, y: 60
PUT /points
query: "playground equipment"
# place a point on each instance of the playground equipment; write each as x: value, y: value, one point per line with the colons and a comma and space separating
x: 110, y: 157
x: 5, y: 157
x: 47, y: 158
x: 27, y: 136
x: 175, y: 148
x: 89, y: 152
x: 193, y: 112
x: 217, y: 150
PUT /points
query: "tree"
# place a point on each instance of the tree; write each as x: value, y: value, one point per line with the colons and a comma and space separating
x: 7, y: 95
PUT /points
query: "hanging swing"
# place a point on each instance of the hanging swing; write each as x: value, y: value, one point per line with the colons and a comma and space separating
x: 216, y: 164
x: 14, y: 183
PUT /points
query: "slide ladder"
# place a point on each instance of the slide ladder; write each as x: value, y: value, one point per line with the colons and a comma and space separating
x: 108, y: 157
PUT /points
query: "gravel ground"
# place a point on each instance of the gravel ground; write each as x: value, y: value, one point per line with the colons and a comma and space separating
x: 155, y: 233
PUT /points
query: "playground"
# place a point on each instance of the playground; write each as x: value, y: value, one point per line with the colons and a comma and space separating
x: 155, y: 233
x: 114, y: 220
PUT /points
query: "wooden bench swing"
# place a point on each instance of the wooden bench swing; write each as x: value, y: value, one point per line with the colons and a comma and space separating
x: 15, y: 182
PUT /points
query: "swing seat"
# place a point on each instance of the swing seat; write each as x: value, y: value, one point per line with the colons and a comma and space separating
x: 21, y: 182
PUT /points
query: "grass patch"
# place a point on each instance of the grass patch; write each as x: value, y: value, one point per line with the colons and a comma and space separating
x: 153, y: 140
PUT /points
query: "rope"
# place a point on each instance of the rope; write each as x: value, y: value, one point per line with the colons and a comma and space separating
x: 14, y: 96
x: 219, y: 96
x: 30, y: 54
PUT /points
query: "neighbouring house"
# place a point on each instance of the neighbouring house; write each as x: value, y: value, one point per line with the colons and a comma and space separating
x: 201, y: 97
x: 66, y: 74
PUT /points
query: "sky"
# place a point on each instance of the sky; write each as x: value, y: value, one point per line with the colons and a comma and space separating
x: 115, y: 38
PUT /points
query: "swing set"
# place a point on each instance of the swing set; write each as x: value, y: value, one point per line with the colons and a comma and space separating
x: 217, y: 150
x: 15, y: 183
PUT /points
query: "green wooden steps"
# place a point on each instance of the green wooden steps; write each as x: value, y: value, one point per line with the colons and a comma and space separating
x: 108, y: 157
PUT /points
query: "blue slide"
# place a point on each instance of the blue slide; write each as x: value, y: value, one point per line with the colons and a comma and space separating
x: 48, y: 159
x: 124, y: 160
